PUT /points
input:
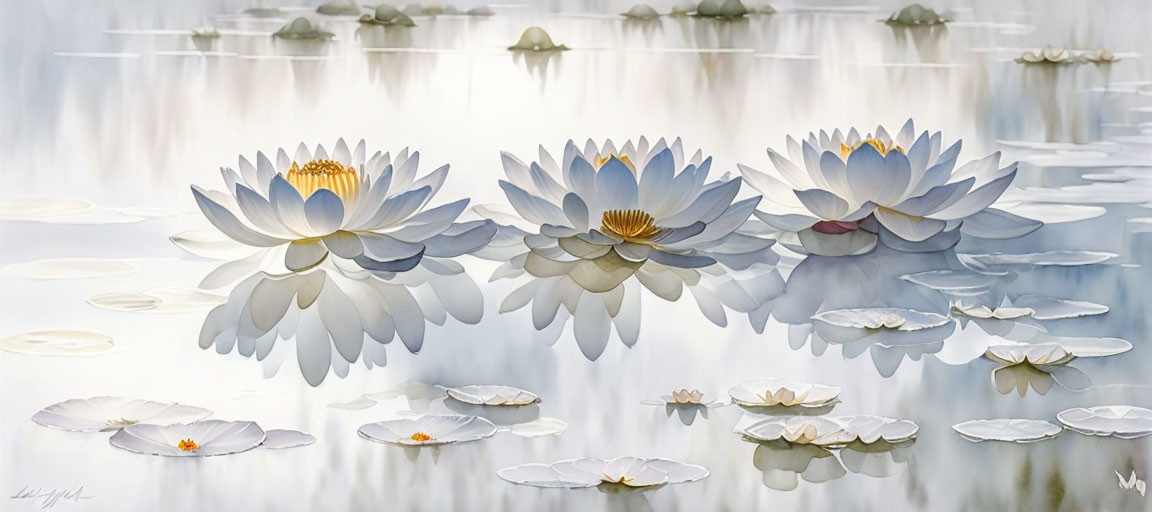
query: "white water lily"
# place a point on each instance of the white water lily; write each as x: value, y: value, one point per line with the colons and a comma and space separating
x: 493, y: 395
x: 831, y: 430
x: 588, y: 472
x: 1122, y: 421
x: 586, y: 226
x: 429, y: 430
x: 107, y: 413
x: 329, y: 310
x: 200, y: 439
x: 783, y: 392
x: 1009, y: 430
x: 837, y: 195
x: 368, y: 209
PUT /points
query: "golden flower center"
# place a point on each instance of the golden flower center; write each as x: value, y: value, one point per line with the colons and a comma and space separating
x: 603, y: 159
x: 329, y: 174
x: 631, y: 225
x: 187, y: 445
x: 880, y: 146
x: 421, y: 437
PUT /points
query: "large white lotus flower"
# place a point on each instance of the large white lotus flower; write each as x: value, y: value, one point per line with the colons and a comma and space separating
x: 835, y: 195
x: 603, y: 215
x: 366, y: 209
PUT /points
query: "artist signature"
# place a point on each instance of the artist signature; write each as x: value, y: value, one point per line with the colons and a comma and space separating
x: 48, y: 498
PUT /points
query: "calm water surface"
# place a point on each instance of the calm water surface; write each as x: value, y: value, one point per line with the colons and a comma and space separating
x: 101, y: 104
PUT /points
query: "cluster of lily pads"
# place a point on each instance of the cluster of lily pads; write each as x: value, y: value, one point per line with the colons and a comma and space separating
x: 162, y: 428
x: 1120, y: 421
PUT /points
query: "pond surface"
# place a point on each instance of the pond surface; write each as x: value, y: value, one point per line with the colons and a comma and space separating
x: 112, y: 103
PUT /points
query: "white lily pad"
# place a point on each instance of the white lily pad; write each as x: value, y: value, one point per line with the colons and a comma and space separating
x: 63, y: 343
x: 279, y: 439
x: 589, y: 472
x: 355, y: 404
x: 543, y: 426
x: 68, y: 268
x: 1040, y: 259
x: 1122, y: 421
x: 1008, y: 430
x: 157, y: 300
x: 832, y: 430
x: 493, y: 395
x: 107, y: 413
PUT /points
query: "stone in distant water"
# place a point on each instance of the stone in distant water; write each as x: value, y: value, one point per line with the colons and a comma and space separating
x: 916, y: 14
x: 641, y: 12
x: 263, y: 12
x: 301, y: 28
x: 482, y: 10
x: 388, y: 15
x: 727, y: 10
x: 339, y: 8
x: 206, y: 33
x: 535, y: 39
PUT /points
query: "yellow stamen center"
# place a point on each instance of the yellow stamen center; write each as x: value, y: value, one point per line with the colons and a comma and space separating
x: 880, y: 146
x: 187, y: 445
x: 421, y: 437
x: 603, y: 159
x: 329, y: 174
x: 622, y: 480
x: 631, y: 225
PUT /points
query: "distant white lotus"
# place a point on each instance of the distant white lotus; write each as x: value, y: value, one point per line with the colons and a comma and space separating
x: 1009, y: 430
x: 1100, y: 57
x: 1122, y: 421
x: 367, y: 209
x: 493, y: 395
x: 831, y: 430
x: 200, y: 439
x: 684, y: 397
x: 783, y: 392
x: 588, y: 472
x: 585, y: 227
x: 1047, y: 55
x: 429, y: 430
x: 106, y: 413
x: 836, y: 195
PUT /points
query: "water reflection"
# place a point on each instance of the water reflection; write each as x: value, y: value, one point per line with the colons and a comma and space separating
x: 334, y: 307
x: 784, y: 464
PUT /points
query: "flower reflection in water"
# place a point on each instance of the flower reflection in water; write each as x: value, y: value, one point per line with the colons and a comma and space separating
x: 784, y: 464
x: 334, y: 307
